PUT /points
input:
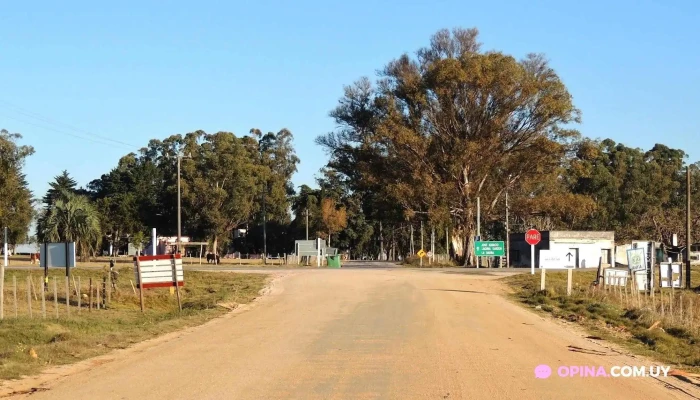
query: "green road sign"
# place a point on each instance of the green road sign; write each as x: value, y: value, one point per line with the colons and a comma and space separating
x: 490, y: 249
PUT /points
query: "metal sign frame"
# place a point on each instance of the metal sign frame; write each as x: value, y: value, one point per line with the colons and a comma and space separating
x: 549, y: 259
x: 666, y: 272
x: 637, y: 259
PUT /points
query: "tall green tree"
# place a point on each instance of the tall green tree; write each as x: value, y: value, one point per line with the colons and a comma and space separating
x: 16, y: 204
x: 453, y: 124
x: 638, y: 193
x: 72, y: 218
x: 220, y: 182
x: 117, y: 196
x: 61, y: 188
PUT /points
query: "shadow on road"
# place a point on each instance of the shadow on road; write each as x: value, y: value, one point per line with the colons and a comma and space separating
x: 455, y: 290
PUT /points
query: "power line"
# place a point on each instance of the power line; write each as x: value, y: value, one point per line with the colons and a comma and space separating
x: 51, y: 121
x: 67, y: 133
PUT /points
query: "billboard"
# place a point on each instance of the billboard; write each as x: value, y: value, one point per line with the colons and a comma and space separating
x: 57, y: 255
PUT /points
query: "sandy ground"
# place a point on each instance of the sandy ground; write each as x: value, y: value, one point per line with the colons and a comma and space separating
x: 362, y: 334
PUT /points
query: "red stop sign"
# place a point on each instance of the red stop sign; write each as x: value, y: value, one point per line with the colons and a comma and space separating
x: 533, y: 237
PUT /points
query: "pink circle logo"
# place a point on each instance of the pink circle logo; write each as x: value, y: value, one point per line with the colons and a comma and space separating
x: 543, y: 371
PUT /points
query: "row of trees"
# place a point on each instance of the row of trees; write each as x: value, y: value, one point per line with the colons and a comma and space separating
x: 433, y: 134
x: 454, y: 124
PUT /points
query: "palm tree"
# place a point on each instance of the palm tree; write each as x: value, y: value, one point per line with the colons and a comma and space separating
x: 72, y: 218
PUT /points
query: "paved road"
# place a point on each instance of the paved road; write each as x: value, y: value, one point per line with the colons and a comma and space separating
x: 365, y: 334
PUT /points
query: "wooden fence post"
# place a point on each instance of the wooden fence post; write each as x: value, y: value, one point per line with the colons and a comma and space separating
x: 29, y: 295
x: 14, y: 286
x: 43, y: 303
x: 140, y: 283
x: 177, y: 286
x: 105, y: 294
x: 78, y: 288
x: 67, y: 295
x: 55, y: 295
x: 542, y: 278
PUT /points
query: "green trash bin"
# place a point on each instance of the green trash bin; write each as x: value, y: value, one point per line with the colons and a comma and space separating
x: 333, y: 261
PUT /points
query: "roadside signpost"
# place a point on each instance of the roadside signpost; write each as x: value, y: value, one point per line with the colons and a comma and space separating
x: 421, y: 253
x: 159, y: 271
x: 489, y: 249
x: 533, y: 237
x: 637, y: 259
x: 550, y: 259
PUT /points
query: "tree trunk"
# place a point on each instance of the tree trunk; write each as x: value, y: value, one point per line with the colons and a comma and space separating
x: 216, y: 245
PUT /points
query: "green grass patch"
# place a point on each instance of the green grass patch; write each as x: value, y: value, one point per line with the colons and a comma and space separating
x: 620, y: 316
x: 28, y: 345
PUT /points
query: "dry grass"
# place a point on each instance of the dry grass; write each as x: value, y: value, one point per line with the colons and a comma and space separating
x: 665, y: 326
x: 414, y: 262
x: 24, y: 261
x: 29, y: 344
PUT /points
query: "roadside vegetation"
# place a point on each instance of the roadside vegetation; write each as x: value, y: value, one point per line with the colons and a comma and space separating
x: 414, y: 262
x: 24, y: 261
x: 30, y: 344
x: 665, y: 326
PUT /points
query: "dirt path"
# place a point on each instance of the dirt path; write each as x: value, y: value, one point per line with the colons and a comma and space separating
x: 367, y: 334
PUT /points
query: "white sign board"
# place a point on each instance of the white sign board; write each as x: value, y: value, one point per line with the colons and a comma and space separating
x: 57, y: 255
x: 665, y: 271
x: 616, y: 277
x: 550, y: 259
x: 641, y: 278
x: 160, y: 271
x: 637, y: 259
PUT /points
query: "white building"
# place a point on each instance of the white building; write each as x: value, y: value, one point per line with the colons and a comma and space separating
x: 165, y: 245
x: 586, y: 249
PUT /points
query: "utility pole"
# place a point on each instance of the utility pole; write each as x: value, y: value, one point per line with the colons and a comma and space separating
x: 688, y: 235
x: 262, y: 161
x: 413, y: 249
x: 381, y: 242
x: 179, y: 227
x: 507, y: 234
x: 2, y: 278
x: 307, y: 223
x: 264, y: 226
x: 180, y: 156
x: 447, y: 243
x: 421, y: 241
x: 478, y: 227
x: 432, y: 244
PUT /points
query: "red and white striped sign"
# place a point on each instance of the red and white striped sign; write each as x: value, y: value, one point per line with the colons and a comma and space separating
x: 159, y: 271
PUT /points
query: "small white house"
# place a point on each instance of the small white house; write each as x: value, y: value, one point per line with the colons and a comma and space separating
x: 585, y: 249
x: 27, y: 248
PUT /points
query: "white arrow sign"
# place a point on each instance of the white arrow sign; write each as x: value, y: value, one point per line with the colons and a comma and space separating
x: 549, y: 259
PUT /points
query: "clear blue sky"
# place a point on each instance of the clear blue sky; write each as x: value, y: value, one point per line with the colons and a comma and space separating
x: 135, y: 70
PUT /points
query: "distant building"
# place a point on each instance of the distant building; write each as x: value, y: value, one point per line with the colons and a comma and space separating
x: 166, y: 245
x: 586, y: 249
x: 26, y: 248
x: 239, y: 233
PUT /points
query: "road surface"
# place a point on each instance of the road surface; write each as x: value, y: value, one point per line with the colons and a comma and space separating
x: 366, y: 334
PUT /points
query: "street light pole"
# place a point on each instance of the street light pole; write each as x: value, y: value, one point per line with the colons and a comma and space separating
x: 179, y: 227
x: 180, y: 156
x: 688, y: 233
